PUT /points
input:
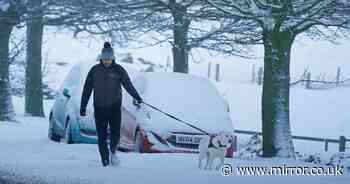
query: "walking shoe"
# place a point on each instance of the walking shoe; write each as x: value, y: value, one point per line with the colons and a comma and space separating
x: 114, y: 159
x: 105, y: 163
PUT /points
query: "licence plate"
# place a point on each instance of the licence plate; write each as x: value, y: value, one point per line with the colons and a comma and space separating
x: 181, y: 139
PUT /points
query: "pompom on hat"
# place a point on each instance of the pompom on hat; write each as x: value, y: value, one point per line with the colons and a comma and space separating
x: 107, y: 52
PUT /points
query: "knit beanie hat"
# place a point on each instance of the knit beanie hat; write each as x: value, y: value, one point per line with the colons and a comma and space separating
x: 107, y: 52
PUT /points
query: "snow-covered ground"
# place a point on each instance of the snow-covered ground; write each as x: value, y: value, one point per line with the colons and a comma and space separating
x: 28, y: 156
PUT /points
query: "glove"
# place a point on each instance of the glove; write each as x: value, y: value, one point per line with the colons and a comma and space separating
x: 137, y: 102
x: 82, y: 112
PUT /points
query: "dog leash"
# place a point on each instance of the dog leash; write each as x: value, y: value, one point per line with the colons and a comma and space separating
x: 171, y: 116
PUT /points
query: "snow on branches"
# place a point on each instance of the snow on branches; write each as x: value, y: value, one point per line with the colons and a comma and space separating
x: 295, y: 15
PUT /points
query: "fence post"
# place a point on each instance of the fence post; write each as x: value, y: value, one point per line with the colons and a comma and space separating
x: 209, y: 69
x: 260, y: 76
x: 217, y: 77
x: 302, y: 83
x: 308, y: 80
x: 324, y: 77
x: 338, y: 76
x: 253, y: 74
x: 342, y: 143
x: 326, y: 145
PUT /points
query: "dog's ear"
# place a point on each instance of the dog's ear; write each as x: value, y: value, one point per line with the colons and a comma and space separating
x: 227, y: 135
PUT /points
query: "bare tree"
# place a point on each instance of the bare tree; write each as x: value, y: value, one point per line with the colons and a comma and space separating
x: 40, y: 13
x: 278, y: 22
x: 126, y: 19
x: 186, y: 26
x: 37, y: 14
x: 178, y: 22
x: 33, y: 79
x: 79, y: 15
x: 10, y: 13
x: 96, y: 17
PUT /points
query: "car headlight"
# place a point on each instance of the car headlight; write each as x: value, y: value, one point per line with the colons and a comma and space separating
x: 165, y: 135
x: 154, y: 138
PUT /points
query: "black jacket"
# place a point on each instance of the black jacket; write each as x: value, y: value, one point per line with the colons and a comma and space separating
x: 106, y: 83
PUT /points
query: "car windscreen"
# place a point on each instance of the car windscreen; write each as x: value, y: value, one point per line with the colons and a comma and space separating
x: 187, y: 96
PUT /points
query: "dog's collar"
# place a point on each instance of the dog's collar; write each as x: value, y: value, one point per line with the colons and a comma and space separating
x: 211, y: 142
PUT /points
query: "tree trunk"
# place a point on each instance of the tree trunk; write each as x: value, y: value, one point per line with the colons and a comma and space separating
x: 180, y: 47
x: 6, y: 106
x: 277, y: 139
x: 33, y: 85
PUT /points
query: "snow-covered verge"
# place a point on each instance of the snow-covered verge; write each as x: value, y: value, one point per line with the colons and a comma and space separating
x: 28, y: 156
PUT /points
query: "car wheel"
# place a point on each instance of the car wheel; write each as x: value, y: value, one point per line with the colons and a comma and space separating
x: 68, y: 133
x: 52, y: 132
x: 138, y: 145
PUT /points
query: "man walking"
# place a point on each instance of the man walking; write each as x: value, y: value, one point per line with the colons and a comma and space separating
x: 105, y: 79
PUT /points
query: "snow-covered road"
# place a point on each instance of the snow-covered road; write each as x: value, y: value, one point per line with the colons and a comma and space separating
x: 28, y: 155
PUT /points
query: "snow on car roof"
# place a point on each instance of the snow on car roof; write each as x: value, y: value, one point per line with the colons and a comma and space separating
x: 188, y: 97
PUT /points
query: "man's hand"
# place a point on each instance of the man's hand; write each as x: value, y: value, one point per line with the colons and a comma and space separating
x: 137, y: 103
x: 82, y: 112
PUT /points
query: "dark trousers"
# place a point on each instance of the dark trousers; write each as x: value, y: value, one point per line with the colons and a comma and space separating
x: 104, y: 117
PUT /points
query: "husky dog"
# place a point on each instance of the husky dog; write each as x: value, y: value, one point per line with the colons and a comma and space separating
x: 214, y: 146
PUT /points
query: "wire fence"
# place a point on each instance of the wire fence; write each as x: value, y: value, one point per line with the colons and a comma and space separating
x: 342, y: 141
x: 321, y: 84
x: 307, y: 80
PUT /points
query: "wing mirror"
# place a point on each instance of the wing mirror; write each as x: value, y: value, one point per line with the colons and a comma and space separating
x: 66, y: 93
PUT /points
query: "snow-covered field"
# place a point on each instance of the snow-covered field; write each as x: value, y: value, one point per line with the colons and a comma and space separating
x: 313, y: 113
